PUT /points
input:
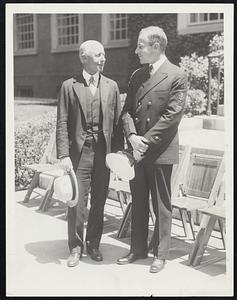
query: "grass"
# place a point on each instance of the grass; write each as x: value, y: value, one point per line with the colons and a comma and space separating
x: 24, y: 112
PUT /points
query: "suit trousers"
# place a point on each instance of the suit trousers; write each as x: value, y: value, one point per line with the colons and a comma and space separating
x: 148, y: 181
x: 92, y: 177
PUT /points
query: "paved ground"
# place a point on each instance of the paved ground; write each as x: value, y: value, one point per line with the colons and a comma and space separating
x: 37, y: 254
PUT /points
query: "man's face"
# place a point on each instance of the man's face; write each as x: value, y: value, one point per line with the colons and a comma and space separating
x: 148, y: 54
x: 95, y: 59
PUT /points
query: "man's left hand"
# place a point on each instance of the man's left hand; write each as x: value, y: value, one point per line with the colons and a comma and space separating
x: 138, y: 155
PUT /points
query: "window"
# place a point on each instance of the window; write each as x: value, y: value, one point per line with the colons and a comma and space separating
x: 24, y: 91
x: 25, y: 33
x: 66, y: 32
x: 200, y: 22
x: 205, y: 18
x: 115, y: 30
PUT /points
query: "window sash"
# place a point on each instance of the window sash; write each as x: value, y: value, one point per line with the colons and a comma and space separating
x: 66, y: 32
x: 118, y: 27
x: 25, y: 33
x: 205, y: 18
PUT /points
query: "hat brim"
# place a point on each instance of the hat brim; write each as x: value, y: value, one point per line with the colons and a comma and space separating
x: 120, y: 165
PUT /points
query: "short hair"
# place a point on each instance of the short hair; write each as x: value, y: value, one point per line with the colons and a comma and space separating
x: 156, y: 34
x: 86, y: 46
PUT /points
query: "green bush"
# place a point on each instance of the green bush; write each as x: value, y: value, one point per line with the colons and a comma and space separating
x: 196, y: 68
x: 31, y: 139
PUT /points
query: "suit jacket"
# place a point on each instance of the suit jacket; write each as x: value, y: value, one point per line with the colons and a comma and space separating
x: 153, y: 109
x: 71, y: 117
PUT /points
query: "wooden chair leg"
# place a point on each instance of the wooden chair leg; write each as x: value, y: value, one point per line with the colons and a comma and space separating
x: 152, y: 213
x: 47, y: 197
x: 184, y: 221
x: 222, y: 231
x: 125, y: 222
x: 204, y: 241
x: 121, y: 198
x: 191, y: 222
x: 34, y: 183
x: 199, y: 237
x: 66, y: 214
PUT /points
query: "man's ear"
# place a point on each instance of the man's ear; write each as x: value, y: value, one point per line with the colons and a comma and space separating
x: 156, y: 46
x: 83, y: 57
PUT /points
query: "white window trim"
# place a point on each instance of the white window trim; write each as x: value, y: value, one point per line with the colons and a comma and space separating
x: 184, y: 26
x: 32, y: 51
x: 105, y: 35
x: 54, y: 38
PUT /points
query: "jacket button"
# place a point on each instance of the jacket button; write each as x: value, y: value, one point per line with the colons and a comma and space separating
x: 148, y: 120
x: 156, y: 138
x: 136, y: 119
x: 139, y: 103
x: 149, y: 103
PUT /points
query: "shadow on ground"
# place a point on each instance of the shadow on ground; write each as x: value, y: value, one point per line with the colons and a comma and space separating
x: 56, y: 251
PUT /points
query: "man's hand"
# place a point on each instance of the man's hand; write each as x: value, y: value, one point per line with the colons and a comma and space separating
x: 66, y: 164
x: 137, y: 155
x: 139, y: 143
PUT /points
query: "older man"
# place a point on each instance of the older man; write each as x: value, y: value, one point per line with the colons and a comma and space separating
x: 151, y: 115
x: 87, y: 123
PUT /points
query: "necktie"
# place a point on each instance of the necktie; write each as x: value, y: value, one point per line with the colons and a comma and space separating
x: 92, y: 85
x: 150, y: 69
x: 92, y: 81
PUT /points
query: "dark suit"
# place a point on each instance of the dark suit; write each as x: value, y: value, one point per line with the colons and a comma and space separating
x: 153, y: 109
x: 87, y: 151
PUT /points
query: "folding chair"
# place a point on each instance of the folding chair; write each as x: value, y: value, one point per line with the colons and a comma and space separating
x: 42, y: 183
x: 199, y: 183
x: 211, y: 215
x: 124, y: 190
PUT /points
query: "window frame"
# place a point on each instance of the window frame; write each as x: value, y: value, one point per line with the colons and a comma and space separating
x: 28, y: 51
x: 219, y: 20
x: 55, y: 48
x: 106, y: 35
x: 184, y: 26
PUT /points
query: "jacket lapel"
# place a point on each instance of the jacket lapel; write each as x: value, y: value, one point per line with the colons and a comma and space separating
x: 79, y: 88
x: 104, y: 92
x: 157, y: 78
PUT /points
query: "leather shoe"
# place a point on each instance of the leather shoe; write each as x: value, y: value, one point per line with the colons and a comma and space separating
x: 74, y: 257
x: 157, y: 265
x: 95, y: 254
x: 130, y: 258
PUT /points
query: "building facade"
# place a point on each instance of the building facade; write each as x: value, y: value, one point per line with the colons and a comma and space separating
x: 46, y: 45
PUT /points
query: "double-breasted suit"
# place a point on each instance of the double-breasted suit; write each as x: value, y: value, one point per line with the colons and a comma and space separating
x: 87, y: 148
x: 153, y: 108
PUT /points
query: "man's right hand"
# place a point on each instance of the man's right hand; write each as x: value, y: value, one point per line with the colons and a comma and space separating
x: 139, y: 143
x: 66, y: 164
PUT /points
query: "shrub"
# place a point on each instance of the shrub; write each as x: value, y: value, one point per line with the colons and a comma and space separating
x: 196, y: 68
x: 31, y: 139
x: 195, y: 103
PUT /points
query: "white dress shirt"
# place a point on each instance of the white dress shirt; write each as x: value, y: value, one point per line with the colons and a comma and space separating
x: 158, y: 64
x: 87, y: 77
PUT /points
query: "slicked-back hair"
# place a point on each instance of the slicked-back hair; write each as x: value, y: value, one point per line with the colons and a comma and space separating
x: 156, y: 34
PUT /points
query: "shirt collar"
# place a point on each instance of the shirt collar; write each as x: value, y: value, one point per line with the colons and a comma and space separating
x: 158, y: 63
x: 87, y: 76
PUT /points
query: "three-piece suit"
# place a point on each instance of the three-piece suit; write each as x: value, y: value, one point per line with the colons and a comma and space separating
x: 153, y: 108
x: 87, y: 129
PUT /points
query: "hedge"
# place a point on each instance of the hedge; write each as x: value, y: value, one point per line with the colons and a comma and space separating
x: 31, y: 139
